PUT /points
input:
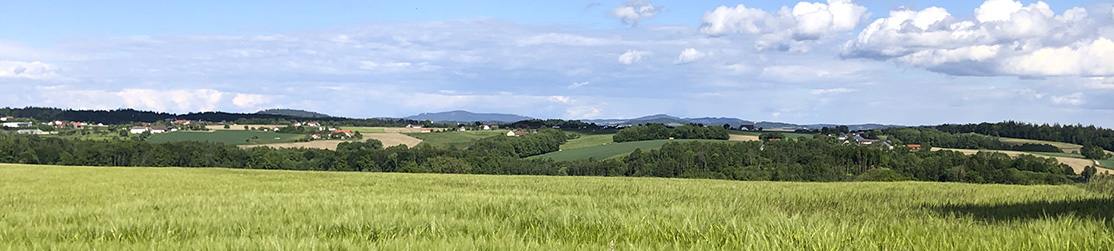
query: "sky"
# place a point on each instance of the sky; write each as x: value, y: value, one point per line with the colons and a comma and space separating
x: 910, y: 62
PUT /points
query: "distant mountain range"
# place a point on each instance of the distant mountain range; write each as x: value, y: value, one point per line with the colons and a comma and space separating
x: 733, y: 122
x: 468, y: 117
x: 294, y: 113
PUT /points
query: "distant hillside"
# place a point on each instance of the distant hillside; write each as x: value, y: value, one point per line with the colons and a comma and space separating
x: 734, y: 122
x: 294, y: 113
x: 468, y: 117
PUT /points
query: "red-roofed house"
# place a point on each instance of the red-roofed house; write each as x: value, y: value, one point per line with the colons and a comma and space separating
x: 345, y: 132
x: 913, y: 146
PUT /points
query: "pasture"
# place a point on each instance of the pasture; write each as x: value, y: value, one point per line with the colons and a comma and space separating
x: 588, y: 140
x: 791, y: 135
x: 455, y: 139
x: 98, y: 208
x: 365, y: 130
x: 230, y: 137
x: 611, y: 150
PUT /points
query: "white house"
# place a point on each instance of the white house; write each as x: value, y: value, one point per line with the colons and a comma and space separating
x: 6, y: 118
x: 30, y: 131
x: 139, y: 129
x: 510, y: 133
x: 487, y: 128
x: 18, y: 124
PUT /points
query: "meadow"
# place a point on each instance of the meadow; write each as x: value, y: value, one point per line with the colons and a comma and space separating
x: 588, y: 140
x: 98, y: 208
x: 230, y: 137
x: 610, y: 150
x: 365, y: 130
x: 791, y: 135
x: 455, y: 139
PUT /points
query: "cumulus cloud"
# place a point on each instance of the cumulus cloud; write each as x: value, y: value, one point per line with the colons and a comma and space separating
x: 575, y: 85
x: 1005, y: 38
x: 250, y: 100
x: 175, y: 100
x: 689, y: 55
x: 632, y: 56
x: 634, y: 10
x: 788, y: 28
x: 28, y: 70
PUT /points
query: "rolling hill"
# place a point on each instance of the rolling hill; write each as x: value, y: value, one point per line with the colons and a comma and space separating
x: 294, y: 113
x: 468, y: 117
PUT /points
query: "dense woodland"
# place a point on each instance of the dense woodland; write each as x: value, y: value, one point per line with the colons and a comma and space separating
x: 937, y: 138
x: 1076, y: 134
x: 659, y: 131
x: 790, y: 160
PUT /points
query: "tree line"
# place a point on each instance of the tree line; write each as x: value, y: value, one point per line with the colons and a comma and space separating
x: 936, y: 138
x: 789, y: 160
x: 1075, y: 134
x: 659, y: 131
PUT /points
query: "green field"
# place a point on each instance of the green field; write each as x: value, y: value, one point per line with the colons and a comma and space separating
x: 610, y: 150
x: 791, y: 135
x: 455, y: 139
x: 587, y: 140
x: 365, y: 130
x: 89, y: 208
x: 227, y: 137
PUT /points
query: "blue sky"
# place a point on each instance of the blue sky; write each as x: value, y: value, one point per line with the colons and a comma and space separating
x: 823, y: 61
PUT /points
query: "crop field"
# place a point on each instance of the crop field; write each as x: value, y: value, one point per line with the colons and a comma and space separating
x: 95, y: 208
x: 1076, y: 164
x: 588, y: 140
x: 455, y: 139
x: 365, y: 130
x: 610, y: 150
x: 230, y: 137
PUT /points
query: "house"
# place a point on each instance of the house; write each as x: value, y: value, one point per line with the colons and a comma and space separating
x: 462, y: 129
x: 494, y: 127
x: 511, y: 133
x: 347, y: 133
x: 162, y: 129
x: 139, y: 129
x: 487, y: 128
x: 413, y: 126
x: 316, y: 136
x: 58, y: 123
x: 79, y: 125
x: 864, y: 142
x: 520, y: 133
x: 30, y: 131
x: 18, y: 124
x: 6, y: 118
x: 427, y: 130
x: 313, y: 124
x: 746, y: 127
x: 913, y: 146
x: 182, y: 122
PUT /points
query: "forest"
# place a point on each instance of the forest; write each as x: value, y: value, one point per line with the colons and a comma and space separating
x: 1075, y: 134
x: 659, y: 131
x: 790, y: 160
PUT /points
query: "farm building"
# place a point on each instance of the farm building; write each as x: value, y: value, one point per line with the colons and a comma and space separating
x: 913, y: 146
x: 18, y: 124
x: 30, y: 131
x: 6, y: 118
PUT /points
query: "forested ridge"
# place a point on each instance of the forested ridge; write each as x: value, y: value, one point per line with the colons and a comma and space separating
x: 659, y: 131
x: 791, y: 160
x: 126, y: 116
x: 1075, y: 134
x: 937, y: 138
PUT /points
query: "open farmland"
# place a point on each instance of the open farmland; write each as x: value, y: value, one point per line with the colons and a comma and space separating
x: 455, y: 139
x: 92, y: 208
x: 229, y: 137
x: 239, y: 127
x: 588, y: 140
x: 611, y: 150
x: 365, y: 130
x: 388, y: 139
x: 1076, y: 164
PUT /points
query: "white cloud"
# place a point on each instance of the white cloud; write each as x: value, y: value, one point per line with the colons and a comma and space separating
x: 632, y: 56
x: 560, y: 99
x: 634, y: 10
x: 582, y: 112
x: 789, y: 28
x: 250, y: 100
x: 177, y: 100
x: 28, y: 70
x: 575, y: 85
x: 1070, y: 99
x: 689, y: 55
x: 830, y: 91
x: 1005, y: 39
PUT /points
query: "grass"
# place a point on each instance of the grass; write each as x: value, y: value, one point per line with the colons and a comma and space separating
x: 227, y: 137
x: 610, y: 150
x: 88, y: 208
x: 365, y: 130
x: 791, y: 135
x: 588, y: 140
x: 455, y: 139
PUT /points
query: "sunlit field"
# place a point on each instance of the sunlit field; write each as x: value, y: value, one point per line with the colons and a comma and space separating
x: 87, y: 208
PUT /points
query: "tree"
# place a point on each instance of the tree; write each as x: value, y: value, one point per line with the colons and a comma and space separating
x: 727, y: 126
x: 246, y: 128
x: 1089, y: 172
x: 1092, y: 152
x: 227, y: 127
x: 770, y: 136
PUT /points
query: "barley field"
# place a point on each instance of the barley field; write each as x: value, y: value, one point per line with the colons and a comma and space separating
x: 97, y: 208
